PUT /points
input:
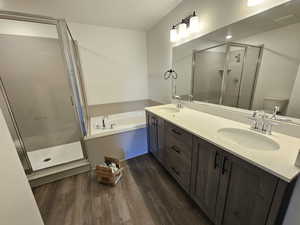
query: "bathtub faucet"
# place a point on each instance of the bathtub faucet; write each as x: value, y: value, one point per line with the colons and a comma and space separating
x: 103, y: 121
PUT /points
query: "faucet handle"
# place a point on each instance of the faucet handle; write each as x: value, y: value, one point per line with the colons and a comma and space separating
x: 255, y: 114
x: 190, y: 98
x: 268, y: 125
x: 177, y: 97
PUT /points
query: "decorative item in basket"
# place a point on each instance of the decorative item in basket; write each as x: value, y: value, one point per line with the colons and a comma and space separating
x: 110, y: 172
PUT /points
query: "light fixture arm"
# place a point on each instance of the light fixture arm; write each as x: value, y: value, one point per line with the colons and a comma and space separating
x: 185, y: 20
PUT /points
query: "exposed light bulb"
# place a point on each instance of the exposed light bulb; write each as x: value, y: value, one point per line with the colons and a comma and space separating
x: 229, y: 36
x: 194, y: 24
x: 254, y: 2
x: 183, y: 32
x: 173, y: 34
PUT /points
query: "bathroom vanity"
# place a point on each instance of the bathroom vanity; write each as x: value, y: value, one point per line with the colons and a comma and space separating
x: 232, y: 181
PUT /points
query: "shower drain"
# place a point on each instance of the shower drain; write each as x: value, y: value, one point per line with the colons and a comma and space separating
x: 47, y: 160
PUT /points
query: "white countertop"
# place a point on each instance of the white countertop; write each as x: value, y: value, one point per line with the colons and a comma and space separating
x: 278, y: 162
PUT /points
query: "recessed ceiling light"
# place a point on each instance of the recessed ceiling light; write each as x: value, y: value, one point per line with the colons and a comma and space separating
x: 254, y: 2
x: 229, y: 36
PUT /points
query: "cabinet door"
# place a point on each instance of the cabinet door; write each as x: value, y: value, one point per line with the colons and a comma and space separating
x: 153, y: 138
x: 161, y: 139
x: 205, y: 175
x: 246, y: 193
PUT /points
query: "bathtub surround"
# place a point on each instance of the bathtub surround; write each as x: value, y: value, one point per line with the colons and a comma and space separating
x: 17, y: 205
x: 101, y: 126
x: 120, y: 107
x: 120, y: 146
x: 114, y: 63
x: 124, y: 137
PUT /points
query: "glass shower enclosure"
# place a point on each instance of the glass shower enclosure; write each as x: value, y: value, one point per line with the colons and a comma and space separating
x: 226, y: 74
x: 41, y: 93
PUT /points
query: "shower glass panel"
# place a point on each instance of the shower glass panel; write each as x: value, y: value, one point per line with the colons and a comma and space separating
x: 37, y: 85
x: 77, y: 81
x: 208, y: 74
x: 226, y: 74
x: 249, y: 75
x: 233, y: 77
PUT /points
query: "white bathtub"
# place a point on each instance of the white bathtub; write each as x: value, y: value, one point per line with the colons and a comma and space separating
x: 127, y: 138
x: 122, y: 122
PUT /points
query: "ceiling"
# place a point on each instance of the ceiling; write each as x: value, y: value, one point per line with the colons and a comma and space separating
x: 127, y: 14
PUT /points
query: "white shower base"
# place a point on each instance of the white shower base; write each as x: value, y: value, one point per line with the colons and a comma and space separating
x: 57, y: 155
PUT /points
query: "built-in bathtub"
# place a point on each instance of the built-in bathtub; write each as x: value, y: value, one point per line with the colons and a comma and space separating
x: 124, y: 136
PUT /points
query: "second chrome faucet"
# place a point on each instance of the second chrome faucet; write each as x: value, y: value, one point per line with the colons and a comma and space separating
x: 261, y: 122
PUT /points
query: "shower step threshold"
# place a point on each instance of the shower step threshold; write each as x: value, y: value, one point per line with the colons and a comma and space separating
x: 58, y: 172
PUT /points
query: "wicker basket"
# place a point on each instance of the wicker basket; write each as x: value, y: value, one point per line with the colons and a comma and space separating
x: 105, y: 175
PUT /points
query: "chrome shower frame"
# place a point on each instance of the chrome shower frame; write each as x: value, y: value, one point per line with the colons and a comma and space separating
x: 73, y: 72
x: 223, y: 85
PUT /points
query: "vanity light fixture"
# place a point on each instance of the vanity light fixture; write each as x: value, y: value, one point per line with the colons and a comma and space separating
x: 182, y: 30
x: 173, y: 34
x: 254, y: 2
x: 194, y: 23
x: 188, y: 25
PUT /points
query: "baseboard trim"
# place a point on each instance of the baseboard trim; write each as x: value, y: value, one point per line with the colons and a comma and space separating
x: 64, y: 171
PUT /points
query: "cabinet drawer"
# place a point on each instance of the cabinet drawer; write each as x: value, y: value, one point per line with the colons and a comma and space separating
x: 178, y: 147
x: 180, y: 134
x: 179, y: 168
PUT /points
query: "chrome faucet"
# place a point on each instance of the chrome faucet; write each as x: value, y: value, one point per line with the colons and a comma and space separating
x: 275, y: 112
x: 190, y: 98
x: 179, y: 104
x: 261, y: 123
x: 103, y: 122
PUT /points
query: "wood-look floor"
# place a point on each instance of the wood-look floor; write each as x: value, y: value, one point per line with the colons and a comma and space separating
x: 146, y: 195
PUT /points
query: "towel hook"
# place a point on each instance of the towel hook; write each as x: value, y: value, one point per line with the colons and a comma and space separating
x: 170, y: 73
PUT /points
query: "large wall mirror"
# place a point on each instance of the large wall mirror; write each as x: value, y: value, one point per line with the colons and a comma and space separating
x: 257, y: 68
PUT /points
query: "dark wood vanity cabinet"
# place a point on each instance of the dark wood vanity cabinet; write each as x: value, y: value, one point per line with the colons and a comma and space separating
x: 156, y: 133
x: 178, y: 154
x: 245, y: 193
x: 206, y: 163
x: 228, y: 189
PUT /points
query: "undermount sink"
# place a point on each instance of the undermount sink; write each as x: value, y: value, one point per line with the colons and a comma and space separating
x: 249, y: 139
x: 169, y: 110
